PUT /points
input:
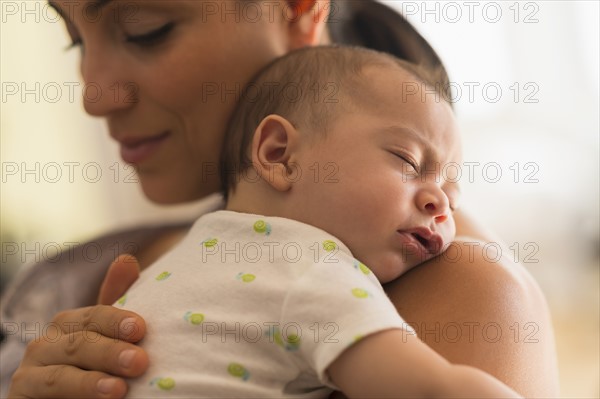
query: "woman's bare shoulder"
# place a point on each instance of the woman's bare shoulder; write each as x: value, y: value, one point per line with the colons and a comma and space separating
x: 475, y: 305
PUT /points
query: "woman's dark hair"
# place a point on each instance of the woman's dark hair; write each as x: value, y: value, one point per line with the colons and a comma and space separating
x: 370, y: 24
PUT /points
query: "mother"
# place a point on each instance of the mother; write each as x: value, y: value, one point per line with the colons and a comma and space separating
x: 185, y: 58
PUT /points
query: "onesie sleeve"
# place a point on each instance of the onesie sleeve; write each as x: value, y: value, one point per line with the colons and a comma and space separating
x: 335, y: 303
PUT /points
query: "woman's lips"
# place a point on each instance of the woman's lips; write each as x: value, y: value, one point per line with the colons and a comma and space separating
x: 138, y: 150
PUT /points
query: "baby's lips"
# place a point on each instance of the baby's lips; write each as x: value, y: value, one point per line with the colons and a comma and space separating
x: 437, y: 244
x: 432, y: 241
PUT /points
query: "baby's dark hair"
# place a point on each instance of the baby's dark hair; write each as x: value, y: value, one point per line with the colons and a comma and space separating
x: 310, y: 88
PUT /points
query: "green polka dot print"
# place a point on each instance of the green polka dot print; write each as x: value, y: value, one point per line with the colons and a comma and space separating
x: 360, y: 293
x: 262, y: 227
x: 362, y: 267
x: 122, y: 300
x: 238, y: 371
x: 329, y: 245
x: 291, y: 343
x: 194, y: 318
x: 163, y: 276
x: 210, y: 242
x: 166, y: 384
x: 246, y: 277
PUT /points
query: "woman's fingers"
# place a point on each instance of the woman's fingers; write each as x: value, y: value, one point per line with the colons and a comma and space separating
x: 88, y: 351
x: 84, y: 351
x: 64, y: 382
x: 103, y: 319
x: 80, y: 354
x: 121, y: 274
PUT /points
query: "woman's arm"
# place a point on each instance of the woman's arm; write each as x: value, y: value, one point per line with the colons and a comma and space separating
x: 480, y: 312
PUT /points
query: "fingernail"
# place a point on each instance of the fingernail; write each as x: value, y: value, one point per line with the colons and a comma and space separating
x: 127, y: 328
x: 126, y: 358
x: 106, y: 385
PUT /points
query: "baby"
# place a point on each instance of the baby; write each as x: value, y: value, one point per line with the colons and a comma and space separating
x: 333, y: 186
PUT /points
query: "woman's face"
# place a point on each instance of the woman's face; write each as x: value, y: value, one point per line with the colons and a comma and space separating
x: 166, y: 75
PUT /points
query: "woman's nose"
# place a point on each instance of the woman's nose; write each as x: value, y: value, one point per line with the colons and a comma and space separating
x: 434, y: 202
x: 105, y: 89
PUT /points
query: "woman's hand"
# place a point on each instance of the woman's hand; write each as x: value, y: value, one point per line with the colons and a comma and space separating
x: 121, y: 274
x: 86, y: 352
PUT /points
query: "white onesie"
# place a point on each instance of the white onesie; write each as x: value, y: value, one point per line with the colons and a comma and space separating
x: 253, y: 306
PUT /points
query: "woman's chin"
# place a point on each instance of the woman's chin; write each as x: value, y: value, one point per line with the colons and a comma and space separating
x: 169, y: 192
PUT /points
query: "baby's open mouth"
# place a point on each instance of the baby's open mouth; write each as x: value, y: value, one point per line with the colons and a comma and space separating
x: 422, y: 241
x: 430, y: 241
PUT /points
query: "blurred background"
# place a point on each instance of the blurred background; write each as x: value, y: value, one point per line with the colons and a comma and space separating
x: 525, y: 79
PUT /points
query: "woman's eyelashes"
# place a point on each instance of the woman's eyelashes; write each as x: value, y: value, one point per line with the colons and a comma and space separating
x: 73, y: 35
x: 74, y: 43
x: 148, y: 39
x: 152, y: 37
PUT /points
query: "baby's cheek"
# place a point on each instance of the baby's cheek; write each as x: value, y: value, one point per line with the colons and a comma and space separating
x: 450, y: 229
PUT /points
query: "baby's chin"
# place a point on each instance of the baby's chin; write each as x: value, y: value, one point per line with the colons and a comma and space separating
x: 389, y: 269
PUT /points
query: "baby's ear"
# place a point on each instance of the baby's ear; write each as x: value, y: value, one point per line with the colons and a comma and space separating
x: 273, y: 146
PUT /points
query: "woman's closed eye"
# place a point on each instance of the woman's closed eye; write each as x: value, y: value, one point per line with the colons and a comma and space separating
x: 74, y: 35
x: 152, y: 37
x: 74, y: 43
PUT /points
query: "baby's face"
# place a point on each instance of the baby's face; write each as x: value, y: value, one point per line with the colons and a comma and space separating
x: 378, y: 180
